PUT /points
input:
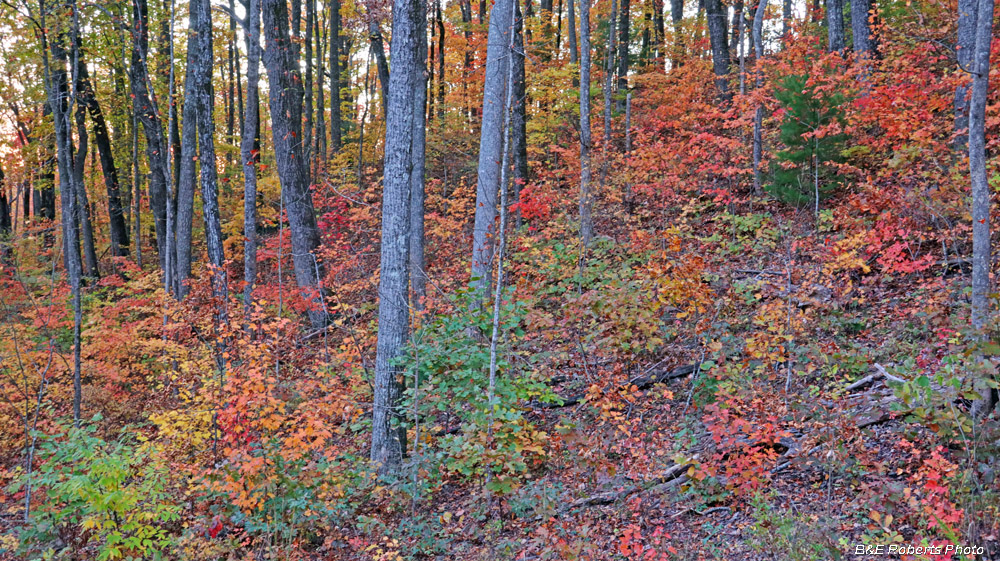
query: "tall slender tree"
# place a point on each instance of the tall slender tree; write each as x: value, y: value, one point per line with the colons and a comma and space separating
x: 720, y: 46
x: 965, y: 48
x: 335, y: 97
x: 490, y: 145
x: 835, y: 25
x: 982, y: 251
x: 388, y: 439
x: 417, y: 265
x: 249, y: 153
x: 281, y: 58
x: 586, y: 203
x: 518, y: 132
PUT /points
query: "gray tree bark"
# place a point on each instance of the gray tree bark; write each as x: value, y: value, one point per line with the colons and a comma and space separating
x: 335, y: 99
x: 117, y: 227
x: 677, y: 16
x: 149, y: 116
x: 417, y: 271
x: 282, y: 63
x: 490, y: 146
x: 720, y: 46
x: 388, y: 441
x: 966, y: 45
x: 757, y: 35
x: 835, y: 25
x: 982, y: 258
x: 519, y: 134
x: 571, y: 31
x: 860, y: 12
x: 623, y: 44
x: 248, y: 155
x: 83, y: 222
x: 586, y: 204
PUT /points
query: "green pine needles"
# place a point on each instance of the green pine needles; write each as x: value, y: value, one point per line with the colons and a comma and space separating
x: 806, y: 171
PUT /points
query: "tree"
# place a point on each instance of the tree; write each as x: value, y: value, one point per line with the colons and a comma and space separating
x: 623, y: 43
x: 118, y: 228
x: 250, y: 152
x: 806, y: 171
x: 964, y: 52
x: 835, y: 25
x: 757, y: 35
x: 156, y: 143
x: 586, y: 204
x: 281, y: 58
x: 417, y: 272
x: 864, y: 45
x: 982, y: 258
x: 335, y: 97
x: 720, y: 46
x: 388, y: 439
x: 490, y: 146
x: 519, y: 134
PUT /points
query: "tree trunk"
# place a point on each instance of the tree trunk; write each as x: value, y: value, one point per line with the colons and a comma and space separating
x: 389, y: 442
x: 490, y: 146
x: 860, y: 12
x: 118, y: 228
x: 335, y: 98
x: 786, y: 21
x: 571, y: 31
x: 609, y: 77
x: 720, y: 46
x: 149, y: 116
x: 188, y: 170
x: 82, y: 203
x: 586, y: 205
x: 982, y: 258
x: 307, y: 92
x: 966, y: 45
x: 282, y: 63
x: 378, y: 46
x: 417, y: 271
x: 623, y: 43
x: 677, y: 17
x: 249, y: 156
x: 519, y: 118
x: 835, y: 25
x: 60, y: 102
x: 5, y: 222
x: 440, y: 82
x: 319, y: 152
x: 757, y: 35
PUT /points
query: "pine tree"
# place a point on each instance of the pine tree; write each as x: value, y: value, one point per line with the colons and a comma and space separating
x: 806, y: 170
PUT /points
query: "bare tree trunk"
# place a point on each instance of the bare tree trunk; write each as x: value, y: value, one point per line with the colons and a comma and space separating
x: 378, y: 46
x: 319, y: 152
x: 249, y: 156
x: 389, y: 442
x: 519, y: 118
x: 966, y: 45
x: 982, y: 258
x: 720, y: 46
x: 860, y: 12
x: 60, y: 101
x: 440, y: 83
x: 282, y: 62
x: 623, y: 43
x: 609, y: 76
x: 677, y: 16
x: 149, y: 116
x: 835, y: 25
x: 786, y: 21
x: 571, y: 31
x: 490, y: 146
x: 335, y: 98
x: 188, y: 169
x: 82, y: 203
x: 417, y: 271
x: 118, y: 228
x: 586, y: 204
x: 757, y: 34
x: 307, y: 92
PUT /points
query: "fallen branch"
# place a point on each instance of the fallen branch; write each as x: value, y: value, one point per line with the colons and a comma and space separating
x: 642, y: 382
x: 880, y: 373
x: 705, y: 512
x: 673, y: 476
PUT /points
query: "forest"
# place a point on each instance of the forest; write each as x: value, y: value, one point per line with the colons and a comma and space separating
x: 500, y: 280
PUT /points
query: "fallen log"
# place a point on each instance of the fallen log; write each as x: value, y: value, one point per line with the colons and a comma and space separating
x: 674, y: 475
x: 642, y: 382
